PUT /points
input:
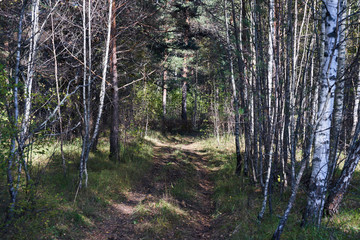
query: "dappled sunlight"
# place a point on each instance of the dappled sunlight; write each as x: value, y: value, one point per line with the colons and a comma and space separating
x: 173, y: 190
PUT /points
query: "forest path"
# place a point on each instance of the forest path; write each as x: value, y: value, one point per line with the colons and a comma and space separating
x: 173, y: 200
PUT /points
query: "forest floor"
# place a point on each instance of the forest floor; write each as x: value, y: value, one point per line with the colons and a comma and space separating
x: 172, y: 201
x: 165, y: 187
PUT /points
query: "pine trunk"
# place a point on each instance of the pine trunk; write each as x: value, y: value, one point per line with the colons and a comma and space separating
x: 114, y: 129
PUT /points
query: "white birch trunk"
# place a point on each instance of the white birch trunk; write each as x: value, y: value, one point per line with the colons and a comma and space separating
x: 320, y: 163
x: 86, y: 122
x: 271, y: 54
x: 356, y: 107
x: 103, y: 85
x: 254, y: 77
x: 271, y: 117
x: 11, y: 160
x: 164, y: 99
x: 339, y: 92
x: 34, y: 36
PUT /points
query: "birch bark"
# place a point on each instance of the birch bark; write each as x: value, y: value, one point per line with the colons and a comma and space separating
x: 87, y: 143
x: 12, y: 158
x: 34, y: 36
x: 339, y: 92
x: 320, y: 162
x: 164, y: 98
x: 271, y: 111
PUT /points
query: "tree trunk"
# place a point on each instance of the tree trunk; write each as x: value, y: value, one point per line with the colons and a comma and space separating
x: 248, y: 117
x: 255, y: 76
x: 294, y: 190
x: 339, y: 94
x: 87, y: 142
x: 357, y: 92
x: 271, y: 115
x: 337, y: 193
x: 58, y: 94
x: 12, y: 157
x: 288, y: 80
x: 164, y: 98
x: 183, y: 103
x: 320, y: 164
x: 115, y: 121
x: 235, y: 99
x: 184, y: 93
x: 194, y: 117
x: 356, y: 107
x: 31, y: 69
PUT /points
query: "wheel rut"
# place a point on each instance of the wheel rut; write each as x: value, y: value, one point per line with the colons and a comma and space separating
x: 173, y: 200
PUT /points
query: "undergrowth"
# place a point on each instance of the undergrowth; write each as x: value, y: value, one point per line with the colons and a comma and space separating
x: 238, y: 202
x: 54, y: 214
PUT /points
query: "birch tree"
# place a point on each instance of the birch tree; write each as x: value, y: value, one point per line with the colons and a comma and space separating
x: 320, y: 161
x: 271, y: 110
x: 23, y: 131
x: 339, y: 92
x: 13, y: 184
x: 87, y: 141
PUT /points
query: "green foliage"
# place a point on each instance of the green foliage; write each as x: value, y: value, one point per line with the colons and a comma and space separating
x: 148, y: 103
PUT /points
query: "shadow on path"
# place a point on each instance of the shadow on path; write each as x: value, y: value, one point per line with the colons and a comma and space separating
x: 173, y: 200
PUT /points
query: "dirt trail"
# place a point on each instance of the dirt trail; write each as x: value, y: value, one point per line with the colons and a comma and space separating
x: 173, y: 201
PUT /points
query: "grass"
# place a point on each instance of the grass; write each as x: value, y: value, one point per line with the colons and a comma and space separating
x: 156, y: 219
x: 182, y: 189
x: 163, y: 213
x: 55, y: 215
x: 238, y: 202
